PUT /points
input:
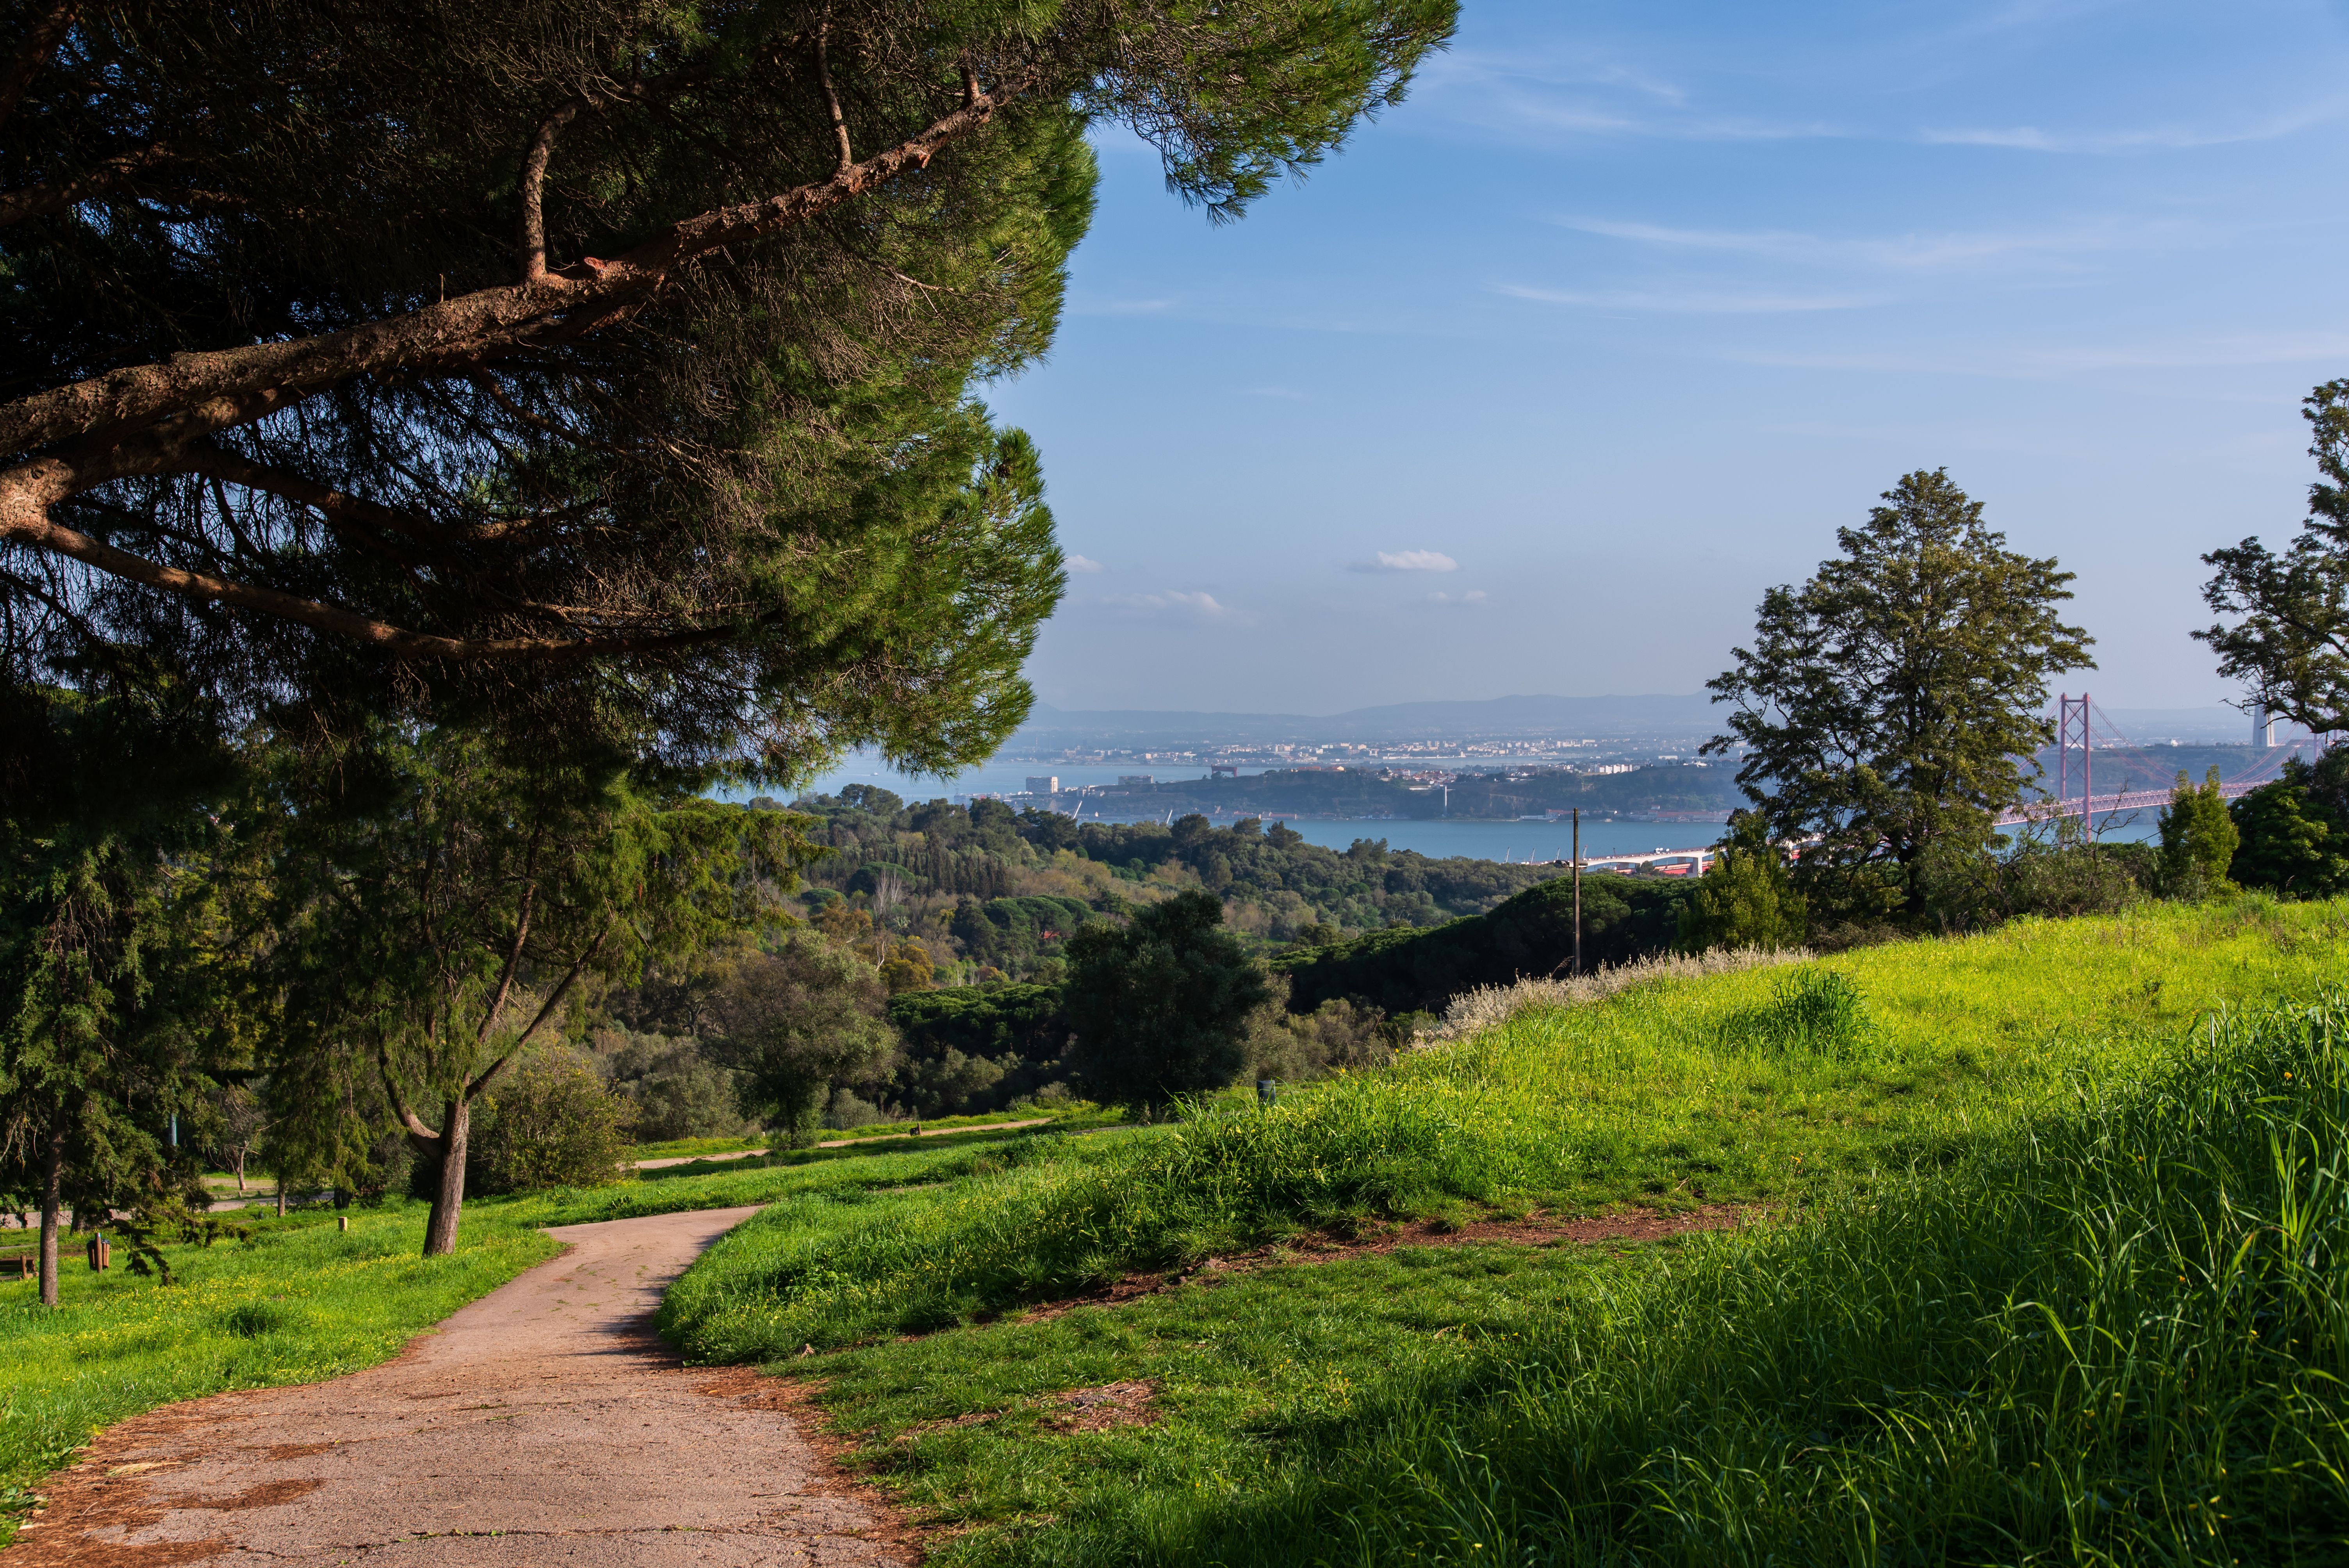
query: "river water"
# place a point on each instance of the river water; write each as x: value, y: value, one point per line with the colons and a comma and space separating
x: 1437, y: 838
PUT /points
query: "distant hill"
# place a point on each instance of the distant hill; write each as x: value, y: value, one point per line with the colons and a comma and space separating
x: 1662, y: 716
x: 1655, y: 717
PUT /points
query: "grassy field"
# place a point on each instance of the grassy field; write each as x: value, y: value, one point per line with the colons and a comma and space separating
x: 1994, y: 1332
x: 1921, y: 1365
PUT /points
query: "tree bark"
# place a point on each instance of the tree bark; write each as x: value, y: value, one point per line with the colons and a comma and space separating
x: 449, y: 1197
x: 52, y: 1190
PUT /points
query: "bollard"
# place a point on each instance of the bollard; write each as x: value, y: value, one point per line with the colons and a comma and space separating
x: 342, y: 1222
x: 1264, y: 1091
x: 101, y: 1256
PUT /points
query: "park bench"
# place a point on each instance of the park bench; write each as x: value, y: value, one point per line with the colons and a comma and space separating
x: 23, y: 1264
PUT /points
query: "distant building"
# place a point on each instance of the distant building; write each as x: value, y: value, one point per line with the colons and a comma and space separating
x: 1135, y: 781
x: 1047, y: 784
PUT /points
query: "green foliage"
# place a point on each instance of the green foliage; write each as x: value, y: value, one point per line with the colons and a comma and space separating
x: 439, y: 898
x: 125, y: 946
x: 1884, y: 703
x: 1746, y: 898
x: 2290, y: 645
x: 1662, y: 1095
x: 1159, y: 1008
x: 2199, y: 839
x: 548, y: 1123
x: 2293, y: 833
x: 794, y: 1022
x: 972, y: 1047
x: 755, y: 513
x: 1403, y: 970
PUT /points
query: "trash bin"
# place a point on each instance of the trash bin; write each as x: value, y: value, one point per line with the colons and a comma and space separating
x: 1265, y: 1089
x: 101, y: 1254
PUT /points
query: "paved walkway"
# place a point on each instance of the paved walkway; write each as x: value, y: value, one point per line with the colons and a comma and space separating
x: 542, y: 1424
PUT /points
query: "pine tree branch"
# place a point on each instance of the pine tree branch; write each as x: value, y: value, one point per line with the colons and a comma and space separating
x: 460, y: 331
x: 39, y: 200
x: 39, y: 44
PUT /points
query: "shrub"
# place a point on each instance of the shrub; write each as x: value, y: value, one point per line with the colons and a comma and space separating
x: 549, y: 1122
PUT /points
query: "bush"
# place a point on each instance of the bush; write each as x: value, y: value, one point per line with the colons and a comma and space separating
x: 676, y: 1090
x: 549, y: 1122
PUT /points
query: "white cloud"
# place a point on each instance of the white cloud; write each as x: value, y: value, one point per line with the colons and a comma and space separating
x: 1083, y: 563
x: 1204, y: 605
x: 1408, y: 561
x: 1471, y: 596
x: 1688, y: 302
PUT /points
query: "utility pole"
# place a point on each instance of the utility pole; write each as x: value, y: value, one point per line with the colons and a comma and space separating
x: 1578, y: 891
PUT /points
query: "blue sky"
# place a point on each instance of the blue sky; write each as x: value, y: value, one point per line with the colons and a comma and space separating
x: 1542, y: 381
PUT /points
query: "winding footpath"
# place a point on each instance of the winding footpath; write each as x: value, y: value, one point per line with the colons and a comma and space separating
x: 544, y: 1423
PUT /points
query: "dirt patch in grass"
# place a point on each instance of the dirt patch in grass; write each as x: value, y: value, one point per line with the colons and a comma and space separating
x: 1535, y: 1230
x: 1109, y: 1405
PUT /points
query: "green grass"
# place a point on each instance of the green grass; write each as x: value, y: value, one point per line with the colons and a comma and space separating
x: 1882, y: 1381
x: 1673, y: 1094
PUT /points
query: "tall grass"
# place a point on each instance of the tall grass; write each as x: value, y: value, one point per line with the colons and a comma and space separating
x: 2118, y: 1335
x: 1751, y: 1084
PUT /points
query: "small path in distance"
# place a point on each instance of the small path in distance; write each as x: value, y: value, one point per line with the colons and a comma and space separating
x: 543, y: 1423
x: 843, y: 1142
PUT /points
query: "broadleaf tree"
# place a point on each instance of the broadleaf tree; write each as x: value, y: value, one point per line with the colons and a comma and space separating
x: 1888, y: 706
x: 1159, y: 1007
x: 2290, y: 641
x: 555, y: 361
x: 442, y: 902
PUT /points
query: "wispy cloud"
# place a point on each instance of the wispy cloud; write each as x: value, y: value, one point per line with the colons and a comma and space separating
x: 1083, y: 563
x: 1909, y: 253
x: 1407, y: 561
x: 1692, y: 302
x: 1098, y: 307
x: 1471, y: 596
x: 1204, y: 605
x: 2146, y: 139
x: 1570, y: 94
x: 2040, y: 360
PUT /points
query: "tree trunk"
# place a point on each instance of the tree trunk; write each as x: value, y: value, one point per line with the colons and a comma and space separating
x: 448, y: 1199
x: 280, y: 1191
x: 240, y: 1172
x: 52, y: 1187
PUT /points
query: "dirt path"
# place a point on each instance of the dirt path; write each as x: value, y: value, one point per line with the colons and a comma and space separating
x: 542, y: 1424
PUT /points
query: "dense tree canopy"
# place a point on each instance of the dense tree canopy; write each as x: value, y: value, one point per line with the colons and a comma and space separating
x: 1886, y: 705
x: 1159, y: 1009
x: 607, y: 355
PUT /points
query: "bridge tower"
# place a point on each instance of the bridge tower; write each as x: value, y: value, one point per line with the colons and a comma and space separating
x: 2072, y: 728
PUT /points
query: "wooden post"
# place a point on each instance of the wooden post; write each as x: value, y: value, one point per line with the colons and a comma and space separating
x: 1578, y: 890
